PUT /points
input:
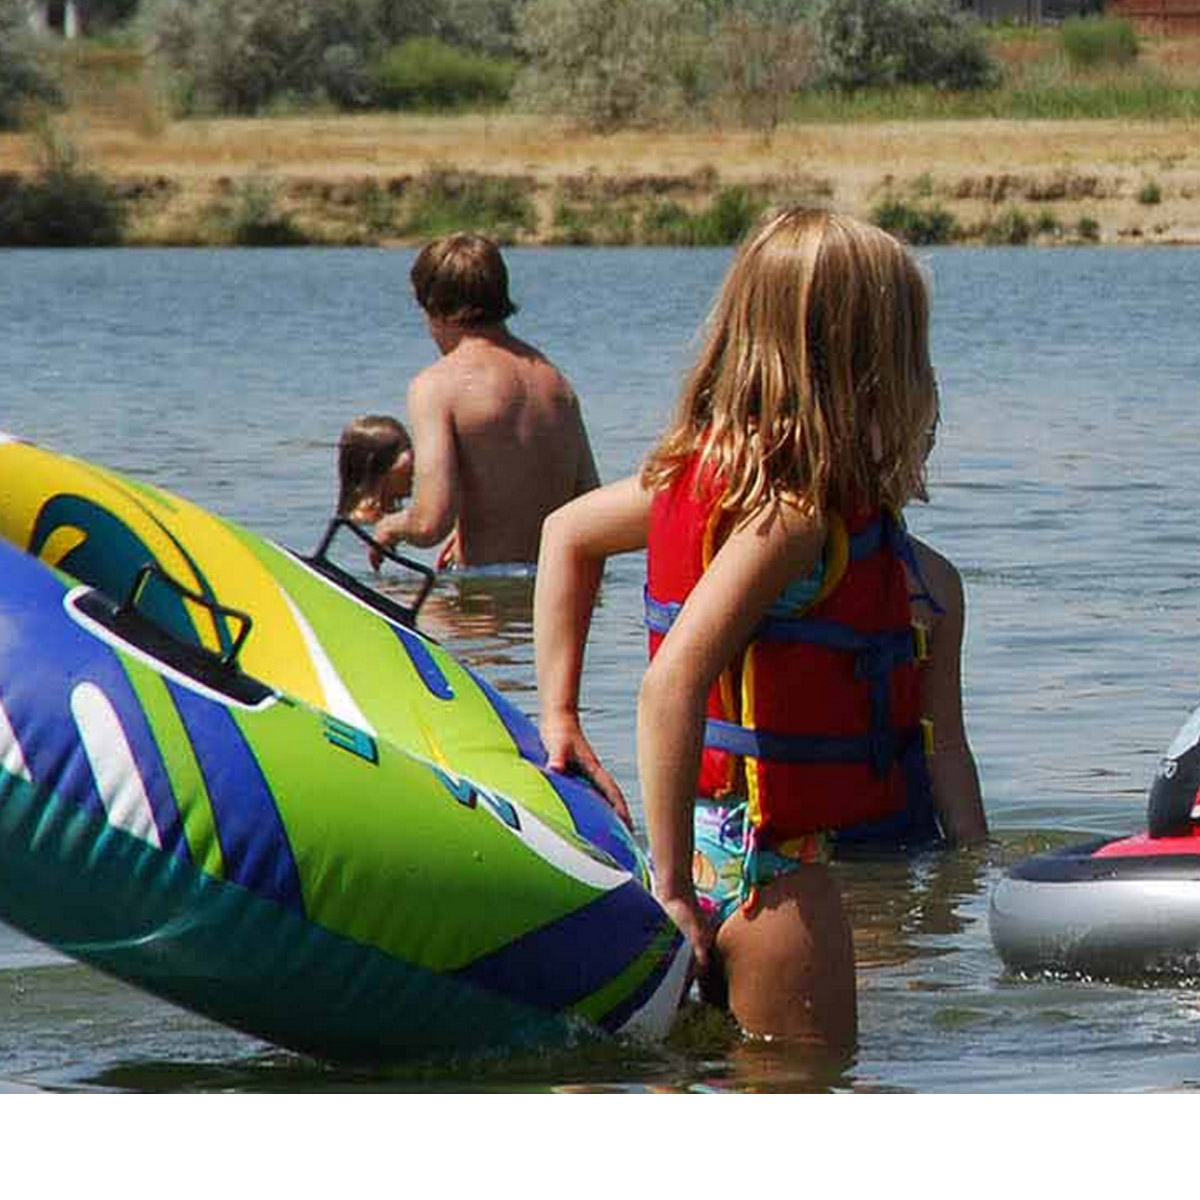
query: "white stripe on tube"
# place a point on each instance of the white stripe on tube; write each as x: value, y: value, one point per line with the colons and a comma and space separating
x: 113, y: 767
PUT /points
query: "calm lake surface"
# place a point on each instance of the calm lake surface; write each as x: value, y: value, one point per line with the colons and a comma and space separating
x: 1065, y: 485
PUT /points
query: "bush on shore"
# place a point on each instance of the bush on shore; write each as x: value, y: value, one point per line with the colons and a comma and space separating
x: 444, y: 201
x: 918, y: 225
x: 425, y: 73
x: 1099, y: 41
x: 64, y: 204
x: 723, y: 223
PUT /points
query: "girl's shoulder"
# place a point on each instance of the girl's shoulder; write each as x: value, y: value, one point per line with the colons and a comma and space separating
x: 938, y: 577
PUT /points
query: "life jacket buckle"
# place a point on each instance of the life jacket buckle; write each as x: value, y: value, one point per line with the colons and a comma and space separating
x: 927, y: 736
x: 920, y: 641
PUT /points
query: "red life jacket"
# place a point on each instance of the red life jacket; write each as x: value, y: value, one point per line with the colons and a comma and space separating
x: 818, y: 719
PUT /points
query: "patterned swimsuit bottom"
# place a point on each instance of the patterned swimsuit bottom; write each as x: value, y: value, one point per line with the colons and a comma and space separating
x: 728, y: 864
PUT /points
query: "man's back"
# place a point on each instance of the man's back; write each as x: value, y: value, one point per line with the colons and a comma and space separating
x: 497, y: 434
x: 498, y: 427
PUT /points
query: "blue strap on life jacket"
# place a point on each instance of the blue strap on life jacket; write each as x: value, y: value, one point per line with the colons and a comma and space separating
x: 660, y: 615
x: 908, y: 556
x: 875, y: 657
x: 891, y: 745
x: 916, y: 827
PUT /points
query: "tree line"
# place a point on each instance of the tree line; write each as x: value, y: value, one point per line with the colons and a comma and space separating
x: 604, y: 63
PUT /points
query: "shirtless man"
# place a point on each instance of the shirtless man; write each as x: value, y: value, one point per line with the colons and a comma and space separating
x: 498, y: 437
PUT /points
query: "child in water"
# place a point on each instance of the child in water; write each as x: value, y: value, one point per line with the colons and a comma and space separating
x: 375, y: 475
x: 375, y: 468
x: 788, y: 693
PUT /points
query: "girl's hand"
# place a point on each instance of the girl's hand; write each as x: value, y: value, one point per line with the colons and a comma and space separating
x: 568, y: 750
x: 389, y: 530
x: 695, y: 924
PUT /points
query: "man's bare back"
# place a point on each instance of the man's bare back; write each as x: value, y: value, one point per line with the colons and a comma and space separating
x: 498, y: 437
x: 500, y: 443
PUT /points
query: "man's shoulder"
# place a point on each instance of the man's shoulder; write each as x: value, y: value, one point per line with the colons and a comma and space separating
x: 435, y: 384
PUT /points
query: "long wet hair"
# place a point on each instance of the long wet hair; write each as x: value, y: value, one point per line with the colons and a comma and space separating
x: 367, y: 451
x: 814, y: 382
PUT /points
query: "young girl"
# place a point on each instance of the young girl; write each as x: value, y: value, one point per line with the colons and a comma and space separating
x: 375, y: 475
x: 786, y: 691
x: 375, y: 468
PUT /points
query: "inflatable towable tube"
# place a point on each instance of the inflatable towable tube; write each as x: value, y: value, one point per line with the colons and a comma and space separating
x: 1114, y: 907
x: 236, y: 781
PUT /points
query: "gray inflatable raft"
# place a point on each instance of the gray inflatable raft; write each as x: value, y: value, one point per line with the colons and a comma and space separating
x: 1113, y: 907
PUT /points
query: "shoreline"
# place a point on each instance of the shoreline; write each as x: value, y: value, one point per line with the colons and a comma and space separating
x: 346, y: 180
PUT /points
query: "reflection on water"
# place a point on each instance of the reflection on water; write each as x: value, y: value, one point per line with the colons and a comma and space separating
x: 486, y: 622
x: 899, y: 907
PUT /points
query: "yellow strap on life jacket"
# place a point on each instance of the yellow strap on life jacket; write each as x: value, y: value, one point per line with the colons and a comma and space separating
x: 921, y: 641
x: 837, y: 560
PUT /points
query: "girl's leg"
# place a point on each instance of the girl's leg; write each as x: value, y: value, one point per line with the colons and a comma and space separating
x: 790, y: 962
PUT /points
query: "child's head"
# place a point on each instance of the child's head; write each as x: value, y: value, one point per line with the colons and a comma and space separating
x: 814, y: 380
x: 462, y: 279
x: 375, y: 465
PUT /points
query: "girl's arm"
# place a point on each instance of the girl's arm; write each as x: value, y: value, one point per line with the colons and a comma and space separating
x: 955, y: 778
x: 749, y: 572
x: 576, y: 540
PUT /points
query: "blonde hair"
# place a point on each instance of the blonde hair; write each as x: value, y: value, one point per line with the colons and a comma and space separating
x: 367, y: 451
x: 814, y: 382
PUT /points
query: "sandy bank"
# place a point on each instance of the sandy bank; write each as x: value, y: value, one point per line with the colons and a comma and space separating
x: 1131, y: 182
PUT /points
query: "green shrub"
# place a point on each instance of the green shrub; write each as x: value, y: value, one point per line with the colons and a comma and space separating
x: 427, y: 73
x: 63, y: 205
x: 756, y: 59
x: 884, y: 43
x: 486, y: 26
x: 729, y: 217
x: 1099, y: 41
x: 239, y: 56
x: 376, y: 210
x: 1088, y: 229
x: 256, y: 221
x: 1047, y: 224
x: 252, y: 217
x: 667, y: 223
x: 444, y: 201
x: 1151, y: 193
x: 593, y: 224
x: 723, y: 223
x: 915, y: 224
x: 606, y: 63
x: 1011, y: 228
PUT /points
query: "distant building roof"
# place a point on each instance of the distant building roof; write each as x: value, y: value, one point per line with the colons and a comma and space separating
x: 1027, y: 10
x: 1161, y: 17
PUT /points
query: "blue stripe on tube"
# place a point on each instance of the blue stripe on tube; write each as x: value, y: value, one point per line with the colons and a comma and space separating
x: 44, y: 658
x: 254, y: 843
x: 566, y: 961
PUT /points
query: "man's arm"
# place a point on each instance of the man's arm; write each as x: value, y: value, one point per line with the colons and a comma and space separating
x: 434, y: 508
x: 587, y: 477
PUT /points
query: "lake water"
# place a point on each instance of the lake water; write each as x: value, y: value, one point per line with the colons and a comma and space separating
x: 1065, y: 485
